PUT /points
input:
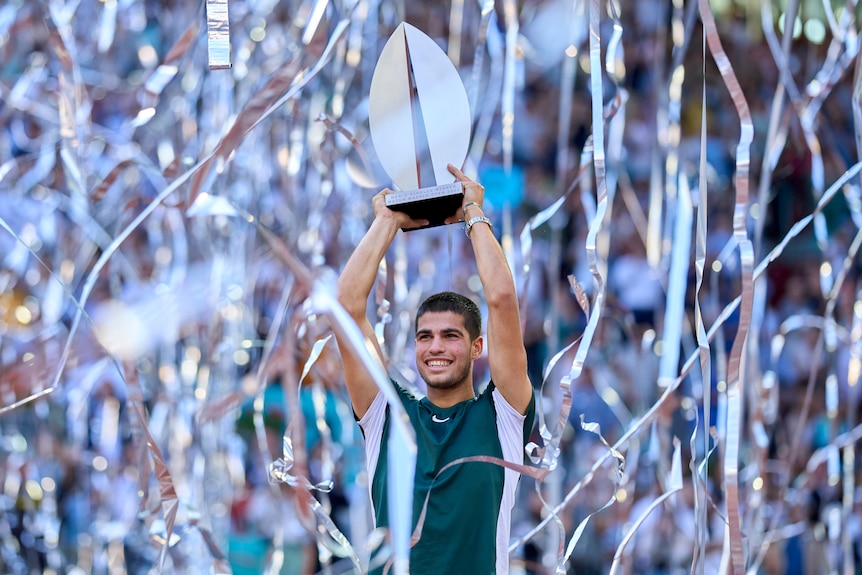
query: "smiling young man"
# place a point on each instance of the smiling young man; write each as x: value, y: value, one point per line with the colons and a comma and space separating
x: 469, y: 496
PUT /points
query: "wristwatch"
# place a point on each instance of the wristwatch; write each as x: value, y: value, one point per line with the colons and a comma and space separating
x: 469, y: 223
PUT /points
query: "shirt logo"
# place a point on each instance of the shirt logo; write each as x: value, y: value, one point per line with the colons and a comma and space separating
x: 436, y: 419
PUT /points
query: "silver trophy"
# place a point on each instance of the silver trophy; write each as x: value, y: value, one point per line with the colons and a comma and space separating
x: 419, y: 118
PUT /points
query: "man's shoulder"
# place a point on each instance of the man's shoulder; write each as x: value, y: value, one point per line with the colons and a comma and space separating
x: 488, y: 389
x: 405, y: 392
x: 488, y: 393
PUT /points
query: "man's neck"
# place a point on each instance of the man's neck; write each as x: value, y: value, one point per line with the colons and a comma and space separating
x: 449, y: 397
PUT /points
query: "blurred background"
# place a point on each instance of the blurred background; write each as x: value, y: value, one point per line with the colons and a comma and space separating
x: 675, y: 183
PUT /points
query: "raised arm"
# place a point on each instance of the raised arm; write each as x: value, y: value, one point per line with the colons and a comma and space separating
x: 507, y: 358
x: 354, y: 286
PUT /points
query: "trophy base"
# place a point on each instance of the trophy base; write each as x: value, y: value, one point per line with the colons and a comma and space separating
x: 434, y: 204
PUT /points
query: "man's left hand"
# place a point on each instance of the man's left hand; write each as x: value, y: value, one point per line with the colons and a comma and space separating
x: 473, y: 192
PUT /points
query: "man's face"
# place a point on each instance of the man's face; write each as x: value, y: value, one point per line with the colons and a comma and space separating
x: 444, y: 352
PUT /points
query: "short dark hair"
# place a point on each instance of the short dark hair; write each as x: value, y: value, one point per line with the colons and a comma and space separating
x: 457, y: 303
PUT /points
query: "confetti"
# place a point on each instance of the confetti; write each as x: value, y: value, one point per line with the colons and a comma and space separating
x: 685, y: 240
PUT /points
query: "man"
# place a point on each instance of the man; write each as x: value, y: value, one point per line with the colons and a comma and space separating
x: 467, y: 520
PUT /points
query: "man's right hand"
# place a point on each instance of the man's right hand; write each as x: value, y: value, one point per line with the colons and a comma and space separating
x: 381, y: 210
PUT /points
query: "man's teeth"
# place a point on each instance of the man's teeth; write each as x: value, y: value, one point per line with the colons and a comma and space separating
x: 438, y: 363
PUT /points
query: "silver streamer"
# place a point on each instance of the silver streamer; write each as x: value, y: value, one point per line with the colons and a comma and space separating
x: 218, y: 34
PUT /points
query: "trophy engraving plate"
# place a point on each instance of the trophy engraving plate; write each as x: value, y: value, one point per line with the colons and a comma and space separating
x: 434, y: 204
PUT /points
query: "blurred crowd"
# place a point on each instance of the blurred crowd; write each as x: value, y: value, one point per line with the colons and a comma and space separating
x: 200, y: 424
